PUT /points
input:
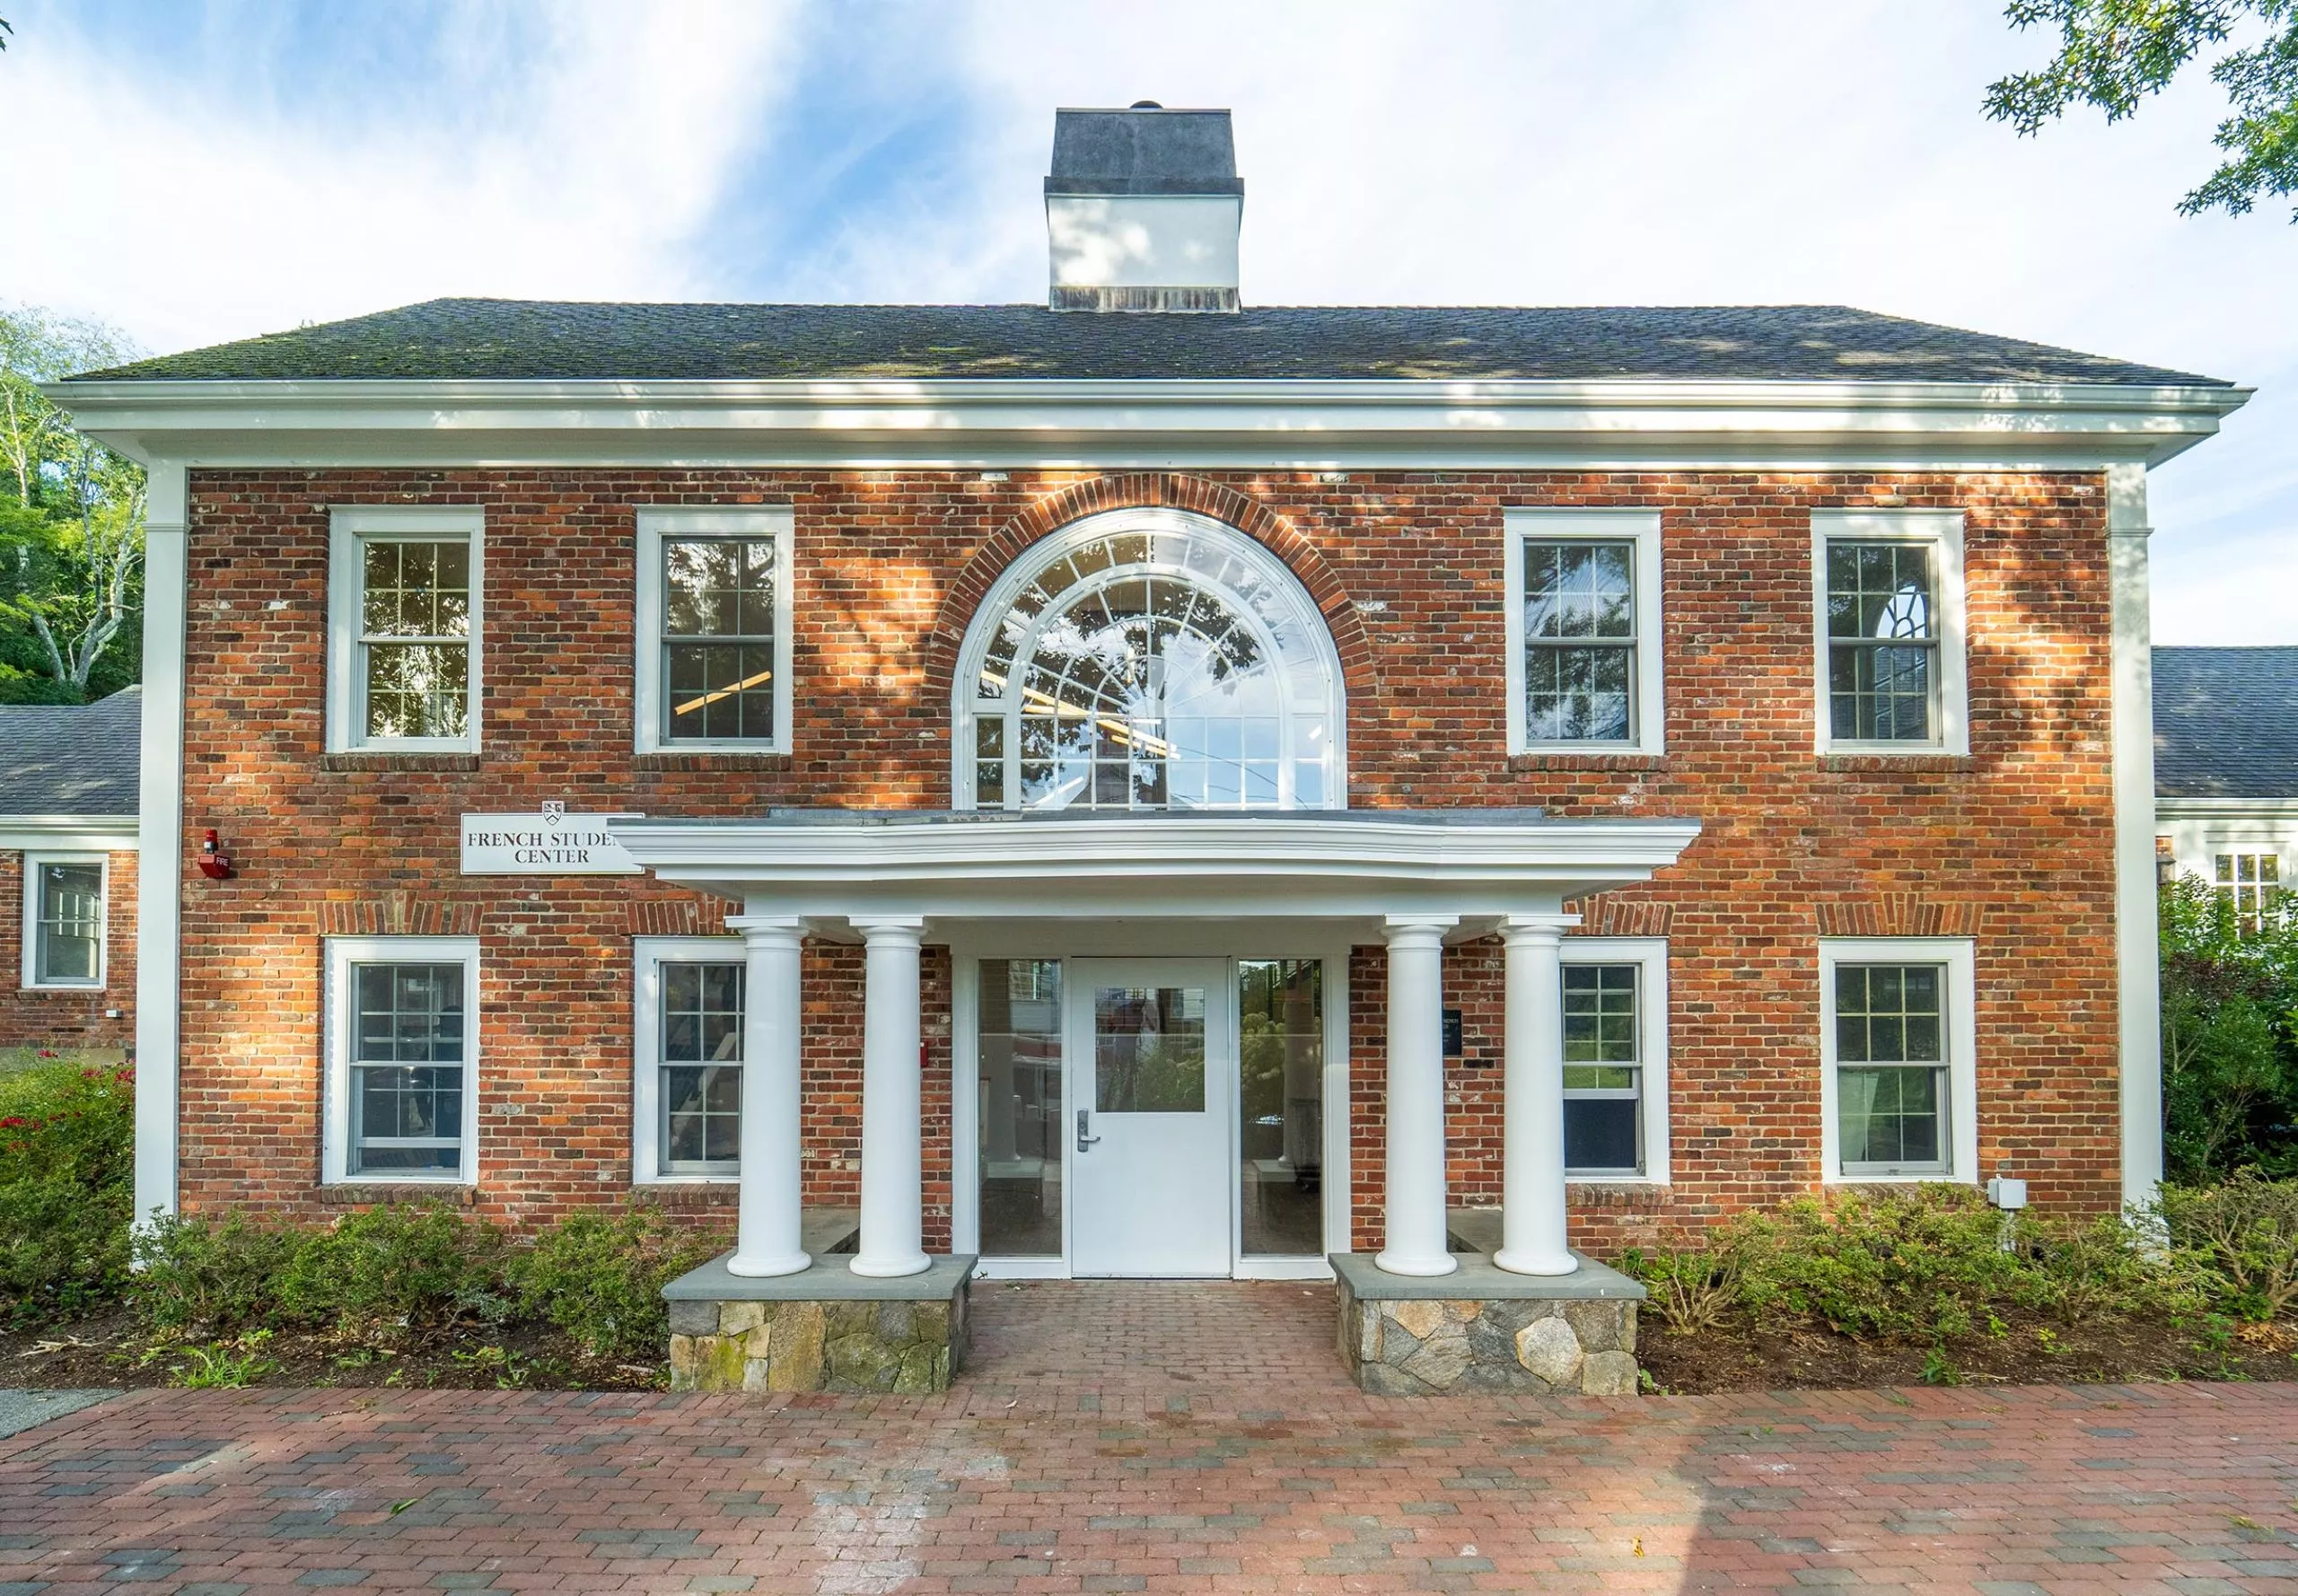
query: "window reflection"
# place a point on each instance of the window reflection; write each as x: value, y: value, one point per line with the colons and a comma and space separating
x: 1020, y: 1153
x: 1281, y: 1041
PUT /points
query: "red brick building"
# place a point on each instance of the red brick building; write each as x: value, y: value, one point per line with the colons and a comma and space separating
x: 67, y: 874
x: 1140, y: 785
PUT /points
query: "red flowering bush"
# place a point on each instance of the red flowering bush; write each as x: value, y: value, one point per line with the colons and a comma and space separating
x: 67, y: 1146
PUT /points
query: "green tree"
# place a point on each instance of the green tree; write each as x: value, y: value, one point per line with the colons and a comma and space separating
x: 2114, y: 53
x: 72, y: 540
x: 2229, y: 1037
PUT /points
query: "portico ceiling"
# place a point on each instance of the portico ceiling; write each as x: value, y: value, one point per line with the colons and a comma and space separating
x: 1349, y: 865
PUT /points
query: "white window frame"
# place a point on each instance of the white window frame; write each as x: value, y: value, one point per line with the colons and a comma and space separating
x: 1649, y: 954
x: 1943, y: 530
x: 32, y: 862
x: 339, y: 1015
x: 657, y: 522
x: 1960, y: 1031
x: 1648, y: 733
x: 350, y: 527
x: 2234, y: 853
x: 648, y: 955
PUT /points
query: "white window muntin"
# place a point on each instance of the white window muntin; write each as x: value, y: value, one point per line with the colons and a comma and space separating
x: 650, y: 954
x: 658, y: 523
x: 1942, y: 532
x: 351, y: 528
x: 345, y: 956
x: 1647, y: 731
x: 1649, y: 955
x: 1260, y: 589
x: 1959, y: 1029
x: 2250, y: 881
x: 37, y: 920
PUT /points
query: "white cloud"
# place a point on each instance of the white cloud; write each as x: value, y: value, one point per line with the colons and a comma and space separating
x: 204, y: 214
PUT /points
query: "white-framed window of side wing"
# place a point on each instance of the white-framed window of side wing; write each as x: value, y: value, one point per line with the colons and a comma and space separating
x: 2250, y: 880
x: 1615, y: 1058
x: 1888, y: 632
x: 65, y: 898
x: 405, y: 618
x: 690, y: 995
x: 402, y: 1019
x: 1899, y: 1065
x: 1585, y: 668
x: 713, y: 632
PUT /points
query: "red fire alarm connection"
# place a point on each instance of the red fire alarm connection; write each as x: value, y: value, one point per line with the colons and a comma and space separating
x: 215, y: 863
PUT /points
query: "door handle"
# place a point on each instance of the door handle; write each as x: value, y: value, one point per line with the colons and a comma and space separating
x: 1084, y: 1141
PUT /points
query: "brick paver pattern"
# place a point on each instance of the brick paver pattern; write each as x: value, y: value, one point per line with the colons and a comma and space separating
x: 1159, y: 1436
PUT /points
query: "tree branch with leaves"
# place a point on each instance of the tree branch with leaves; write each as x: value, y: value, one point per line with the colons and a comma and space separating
x: 2113, y: 53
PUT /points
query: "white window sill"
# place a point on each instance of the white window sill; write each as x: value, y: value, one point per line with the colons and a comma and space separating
x: 1937, y: 1178
x: 63, y: 986
x: 730, y: 1181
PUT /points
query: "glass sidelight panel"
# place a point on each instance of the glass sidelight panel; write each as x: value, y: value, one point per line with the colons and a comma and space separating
x: 1280, y: 1022
x: 1020, y: 1156
x: 1149, y: 1050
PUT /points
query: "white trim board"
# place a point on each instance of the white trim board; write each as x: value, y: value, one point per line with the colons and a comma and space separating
x: 93, y: 835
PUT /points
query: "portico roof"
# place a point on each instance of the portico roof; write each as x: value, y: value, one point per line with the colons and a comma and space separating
x: 1481, y: 865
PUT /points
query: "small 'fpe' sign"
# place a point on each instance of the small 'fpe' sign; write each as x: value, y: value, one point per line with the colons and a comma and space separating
x: 549, y: 842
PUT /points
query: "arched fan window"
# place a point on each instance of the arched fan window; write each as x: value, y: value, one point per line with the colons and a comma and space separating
x: 1149, y: 660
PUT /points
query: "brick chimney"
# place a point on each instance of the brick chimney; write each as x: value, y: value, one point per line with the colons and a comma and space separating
x: 1142, y: 210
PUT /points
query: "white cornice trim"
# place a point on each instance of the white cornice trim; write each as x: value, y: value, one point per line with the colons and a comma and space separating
x: 2204, y: 808
x: 1294, y: 424
x: 108, y: 833
x: 1258, y: 865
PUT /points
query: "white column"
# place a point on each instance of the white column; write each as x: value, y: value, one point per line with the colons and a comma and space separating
x: 1532, y: 1211
x: 894, y: 1178
x: 1416, y: 1230
x: 2138, y: 954
x: 160, y: 841
x: 767, y: 1232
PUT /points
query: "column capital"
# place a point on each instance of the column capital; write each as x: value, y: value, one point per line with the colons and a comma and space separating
x: 768, y: 930
x: 1417, y: 931
x: 888, y: 928
x: 1536, y: 930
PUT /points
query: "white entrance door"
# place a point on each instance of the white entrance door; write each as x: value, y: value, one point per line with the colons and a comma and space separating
x: 1152, y: 1070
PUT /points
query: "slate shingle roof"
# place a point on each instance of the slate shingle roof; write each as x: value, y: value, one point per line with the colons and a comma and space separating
x: 448, y: 339
x: 75, y: 759
x: 2226, y: 723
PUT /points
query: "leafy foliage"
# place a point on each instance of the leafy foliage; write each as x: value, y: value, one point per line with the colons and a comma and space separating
x: 71, y: 523
x: 2229, y: 1037
x: 67, y: 1183
x: 2115, y: 52
x: 2243, y: 1235
x: 599, y: 1279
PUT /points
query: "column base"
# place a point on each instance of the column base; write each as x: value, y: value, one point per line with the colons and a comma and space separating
x: 1535, y: 1263
x: 1486, y: 1329
x: 821, y: 1330
x: 1419, y: 1266
x: 760, y: 1268
x: 890, y: 1269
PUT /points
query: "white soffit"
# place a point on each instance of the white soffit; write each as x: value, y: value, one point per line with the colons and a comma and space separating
x: 1090, y: 424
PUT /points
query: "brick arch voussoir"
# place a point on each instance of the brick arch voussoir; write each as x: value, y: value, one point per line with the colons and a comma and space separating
x: 1137, y: 490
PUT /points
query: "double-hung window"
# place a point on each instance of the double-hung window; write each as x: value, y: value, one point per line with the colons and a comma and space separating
x: 402, y: 1059
x: 1615, y: 1058
x: 1583, y: 657
x: 1897, y: 1045
x: 687, y: 1032
x: 1888, y: 586
x: 63, y: 920
x: 714, y: 611
x: 404, y: 602
x: 2250, y: 881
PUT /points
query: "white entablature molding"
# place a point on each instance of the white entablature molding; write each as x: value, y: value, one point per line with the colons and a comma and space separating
x: 1061, y: 424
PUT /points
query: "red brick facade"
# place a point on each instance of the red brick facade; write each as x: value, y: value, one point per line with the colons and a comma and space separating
x: 92, y: 1019
x: 2012, y: 844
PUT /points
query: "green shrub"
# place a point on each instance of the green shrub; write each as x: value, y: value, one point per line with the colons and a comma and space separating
x: 193, y: 1272
x: 2242, y: 1236
x: 397, y: 1263
x: 600, y: 1278
x: 66, y: 1184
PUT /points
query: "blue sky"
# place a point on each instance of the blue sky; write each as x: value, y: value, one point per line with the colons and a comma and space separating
x: 208, y: 171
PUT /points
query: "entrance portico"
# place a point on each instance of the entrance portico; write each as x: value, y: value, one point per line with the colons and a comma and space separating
x: 1121, y: 897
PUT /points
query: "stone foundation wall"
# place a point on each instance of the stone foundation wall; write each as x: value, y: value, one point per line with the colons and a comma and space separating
x: 852, y: 1346
x: 1429, y: 1345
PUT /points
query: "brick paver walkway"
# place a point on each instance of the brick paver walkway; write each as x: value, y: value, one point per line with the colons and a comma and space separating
x: 1161, y: 1437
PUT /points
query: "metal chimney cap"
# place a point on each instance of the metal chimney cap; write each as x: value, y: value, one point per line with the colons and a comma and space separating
x: 1143, y: 151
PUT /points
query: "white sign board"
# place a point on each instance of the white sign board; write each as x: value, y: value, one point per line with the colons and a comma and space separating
x: 549, y: 842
